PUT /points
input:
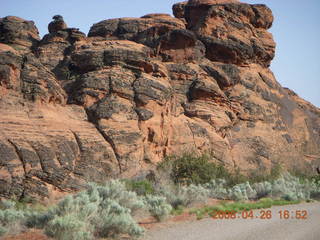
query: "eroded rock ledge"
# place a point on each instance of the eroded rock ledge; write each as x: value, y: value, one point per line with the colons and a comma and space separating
x: 77, y: 108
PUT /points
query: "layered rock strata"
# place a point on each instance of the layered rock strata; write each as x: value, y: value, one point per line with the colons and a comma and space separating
x: 77, y: 108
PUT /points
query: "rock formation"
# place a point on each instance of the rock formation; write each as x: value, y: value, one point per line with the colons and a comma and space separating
x: 57, y: 24
x: 114, y: 104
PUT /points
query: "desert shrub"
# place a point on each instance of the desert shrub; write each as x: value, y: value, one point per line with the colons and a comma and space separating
x: 304, y: 174
x: 142, y: 187
x: 171, y: 195
x: 7, y: 204
x: 283, y: 188
x: 262, y: 175
x: 315, y: 192
x: 68, y: 227
x: 275, y: 172
x: 286, y: 187
x: 280, y: 189
x: 263, y: 189
x: 316, y: 179
x: 292, y: 188
x: 71, y: 218
x: 217, y: 189
x: 249, y: 191
x: 157, y: 206
x: 193, y: 194
x: 242, y: 191
x: 11, y: 219
x: 11, y: 216
x: 236, y: 193
x: 115, y: 219
x: 184, y: 195
x: 36, y: 219
x: 192, y: 169
x: 236, y: 177
x: 116, y: 190
x: 100, y: 211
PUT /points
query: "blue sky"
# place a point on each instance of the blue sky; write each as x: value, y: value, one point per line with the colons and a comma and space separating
x: 296, y: 30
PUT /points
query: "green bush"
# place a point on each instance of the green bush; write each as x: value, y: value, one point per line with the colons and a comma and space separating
x: 261, y: 175
x: 236, y: 177
x: 158, y: 206
x: 191, y: 169
x: 142, y: 188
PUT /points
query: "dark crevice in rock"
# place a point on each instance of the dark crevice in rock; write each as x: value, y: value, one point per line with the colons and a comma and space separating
x: 112, y: 144
x: 78, y: 141
x: 40, y: 159
x: 80, y: 148
x: 194, y: 141
x: 19, y: 155
x: 106, y: 138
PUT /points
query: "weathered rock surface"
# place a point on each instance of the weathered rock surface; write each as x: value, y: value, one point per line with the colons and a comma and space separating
x: 75, y: 108
x: 232, y: 32
x: 57, y: 24
x: 18, y: 32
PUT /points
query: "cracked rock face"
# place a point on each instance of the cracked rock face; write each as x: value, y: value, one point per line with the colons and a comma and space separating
x: 75, y: 109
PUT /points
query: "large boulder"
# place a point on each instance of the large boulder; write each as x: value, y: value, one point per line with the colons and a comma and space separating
x: 145, y: 30
x: 20, y: 33
x: 232, y: 32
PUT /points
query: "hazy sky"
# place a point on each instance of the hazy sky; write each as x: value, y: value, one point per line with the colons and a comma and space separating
x: 296, y: 30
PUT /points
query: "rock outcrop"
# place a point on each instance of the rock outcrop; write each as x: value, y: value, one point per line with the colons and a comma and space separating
x: 76, y: 109
x: 57, y: 24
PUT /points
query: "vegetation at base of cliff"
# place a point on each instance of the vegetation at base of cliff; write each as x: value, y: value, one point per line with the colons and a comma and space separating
x: 101, y: 211
x: 303, y: 176
x: 110, y: 210
x: 158, y: 206
x: 192, y: 169
x: 140, y: 187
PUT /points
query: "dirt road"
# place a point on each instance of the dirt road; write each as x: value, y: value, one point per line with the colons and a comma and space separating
x: 254, y: 228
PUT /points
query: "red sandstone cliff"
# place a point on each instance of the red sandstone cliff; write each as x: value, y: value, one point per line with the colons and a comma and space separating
x: 75, y: 108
